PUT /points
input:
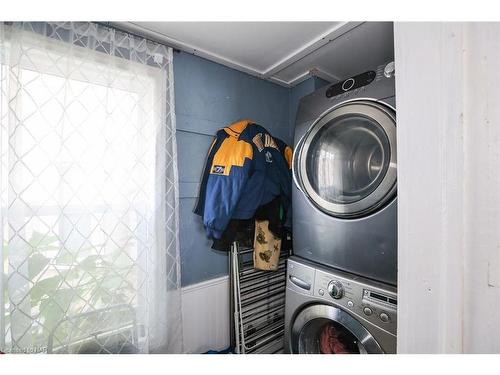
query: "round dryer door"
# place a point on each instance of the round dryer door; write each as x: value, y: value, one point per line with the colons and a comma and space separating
x: 346, y: 162
x: 324, y: 329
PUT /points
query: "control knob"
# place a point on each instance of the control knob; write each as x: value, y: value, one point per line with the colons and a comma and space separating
x: 367, y: 311
x: 389, y: 69
x: 384, y: 317
x: 336, y: 289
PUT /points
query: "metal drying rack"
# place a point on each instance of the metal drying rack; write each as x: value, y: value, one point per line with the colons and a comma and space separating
x: 257, y: 303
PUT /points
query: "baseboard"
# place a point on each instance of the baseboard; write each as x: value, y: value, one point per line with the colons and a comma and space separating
x: 205, y: 315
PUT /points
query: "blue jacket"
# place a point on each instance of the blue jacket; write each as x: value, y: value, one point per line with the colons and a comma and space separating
x: 246, y: 168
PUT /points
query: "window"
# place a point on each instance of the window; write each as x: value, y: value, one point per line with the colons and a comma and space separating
x: 82, y: 142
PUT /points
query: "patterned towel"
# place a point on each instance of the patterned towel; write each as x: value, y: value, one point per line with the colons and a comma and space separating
x: 266, y: 247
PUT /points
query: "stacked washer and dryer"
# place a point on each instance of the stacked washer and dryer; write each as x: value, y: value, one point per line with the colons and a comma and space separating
x: 341, y: 282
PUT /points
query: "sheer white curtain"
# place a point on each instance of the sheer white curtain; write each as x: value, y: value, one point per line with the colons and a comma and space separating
x: 89, y: 200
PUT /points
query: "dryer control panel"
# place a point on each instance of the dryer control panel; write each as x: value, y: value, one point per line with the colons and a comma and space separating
x: 350, y: 84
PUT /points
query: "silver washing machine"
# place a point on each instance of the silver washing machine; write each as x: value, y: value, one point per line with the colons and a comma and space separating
x: 333, y: 312
x: 344, y: 170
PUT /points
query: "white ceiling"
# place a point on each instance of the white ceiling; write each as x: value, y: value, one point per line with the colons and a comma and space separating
x: 283, y: 52
x: 362, y: 48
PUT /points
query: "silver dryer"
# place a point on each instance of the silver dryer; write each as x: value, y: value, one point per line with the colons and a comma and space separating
x: 345, y: 172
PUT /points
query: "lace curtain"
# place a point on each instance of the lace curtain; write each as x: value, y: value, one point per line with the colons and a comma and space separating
x: 89, y: 200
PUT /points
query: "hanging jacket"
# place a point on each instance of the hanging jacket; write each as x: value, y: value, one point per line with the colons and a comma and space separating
x: 245, y: 168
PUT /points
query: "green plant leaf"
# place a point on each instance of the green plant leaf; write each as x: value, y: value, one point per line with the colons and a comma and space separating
x: 51, y: 314
x: 65, y: 258
x: 110, y: 283
x: 89, y: 263
x: 42, y: 240
x: 36, y: 264
x: 44, y: 287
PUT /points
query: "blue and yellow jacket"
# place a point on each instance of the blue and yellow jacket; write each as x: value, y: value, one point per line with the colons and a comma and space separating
x: 246, y: 168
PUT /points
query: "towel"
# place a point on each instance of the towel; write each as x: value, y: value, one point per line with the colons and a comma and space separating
x: 267, y: 247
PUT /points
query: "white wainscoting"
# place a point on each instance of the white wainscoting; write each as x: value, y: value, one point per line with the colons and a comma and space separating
x: 205, y: 315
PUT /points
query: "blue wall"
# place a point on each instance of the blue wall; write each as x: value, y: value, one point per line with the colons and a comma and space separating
x: 209, y: 96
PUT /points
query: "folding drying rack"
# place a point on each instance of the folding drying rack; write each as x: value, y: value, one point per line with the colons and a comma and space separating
x: 257, y: 303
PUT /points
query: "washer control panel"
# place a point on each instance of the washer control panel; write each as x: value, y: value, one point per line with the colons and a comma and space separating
x: 367, y: 299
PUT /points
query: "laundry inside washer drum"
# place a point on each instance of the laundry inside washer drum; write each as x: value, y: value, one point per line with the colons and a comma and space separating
x: 347, y: 159
x: 327, y: 337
